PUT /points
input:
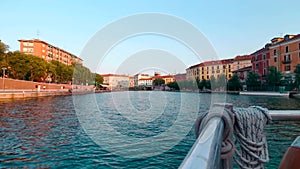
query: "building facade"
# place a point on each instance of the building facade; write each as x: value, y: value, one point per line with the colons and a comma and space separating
x: 261, y: 61
x: 48, y: 52
x: 142, y: 79
x: 285, y: 53
x: 241, y: 62
x: 116, y: 82
x: 167, y: 78
x: 209, y: 69
x: 180, y: 77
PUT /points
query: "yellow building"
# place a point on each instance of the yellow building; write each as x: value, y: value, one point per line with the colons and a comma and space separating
x: 209, y: 69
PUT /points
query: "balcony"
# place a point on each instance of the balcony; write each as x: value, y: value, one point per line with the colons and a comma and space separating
x: 286, y: 61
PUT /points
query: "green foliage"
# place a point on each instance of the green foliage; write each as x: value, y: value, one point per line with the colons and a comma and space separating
x: 187, y: 85
x: 158, y: 82
x: 252, y: 81
x: 98, y: 80
x: 3, y: 48
x: 173, y: 85
x: 234, y: 83
x: 28, y: 67
x: 221, y: 83
x: 297, y: 75
x: 273, y: 77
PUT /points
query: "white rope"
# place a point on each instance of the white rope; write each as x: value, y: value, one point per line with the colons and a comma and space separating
x: 247, y: 125
x: 250, y: 137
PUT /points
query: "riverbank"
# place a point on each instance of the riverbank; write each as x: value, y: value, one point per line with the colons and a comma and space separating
x: 19, y: 94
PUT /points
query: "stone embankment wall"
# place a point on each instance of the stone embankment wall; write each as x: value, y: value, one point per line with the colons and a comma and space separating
x: 11, y: 89
x: 12, y: 84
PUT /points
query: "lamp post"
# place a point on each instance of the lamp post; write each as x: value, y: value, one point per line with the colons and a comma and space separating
x: 3, y: 76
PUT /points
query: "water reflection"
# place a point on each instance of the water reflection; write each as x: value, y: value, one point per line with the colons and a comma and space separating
x: 45, y: 133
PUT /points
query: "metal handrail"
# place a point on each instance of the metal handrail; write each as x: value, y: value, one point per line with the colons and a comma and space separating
x: 205, y: 152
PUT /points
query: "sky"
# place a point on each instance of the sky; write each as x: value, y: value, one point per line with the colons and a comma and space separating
x: 231, y: 27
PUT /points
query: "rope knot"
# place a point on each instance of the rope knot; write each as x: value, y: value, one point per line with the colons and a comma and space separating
x: 225, y: 112
x: 247, y: 125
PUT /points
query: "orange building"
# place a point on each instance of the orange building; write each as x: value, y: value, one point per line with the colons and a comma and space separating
x: 241, y: 62
x: 285, y: 53
x: 47, y: 51
x: 167, y: 78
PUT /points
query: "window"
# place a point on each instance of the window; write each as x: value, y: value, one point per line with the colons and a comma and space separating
x: 264, y: 57
x: 264, y: 73
x: 287, y: 58
x: 299, y: 46
x: 256, y: 66
x: 207, y: 77
x: 275, y: 59
x: 286, y: 49
x: 275, y: 52
x: 202, y: 77
x: 287, y: 68
x: 43, y: 45
x: 217, y: 67
x: 264, y: 64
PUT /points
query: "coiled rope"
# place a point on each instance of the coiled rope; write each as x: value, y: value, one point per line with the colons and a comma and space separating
x: 247, y: 125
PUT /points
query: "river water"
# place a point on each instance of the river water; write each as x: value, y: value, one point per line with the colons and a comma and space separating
x: 64, y: 132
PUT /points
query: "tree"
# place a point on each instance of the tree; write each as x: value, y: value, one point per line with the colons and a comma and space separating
x: 198, y: 82
x: 252, y: 81
x: 3, y: 48
x: 213, y: 83
x: 158, y: 82
x: 234, y: 83
x: 273, y: 77
x: 173, y: 85
x: 98, y: 80
x: 221, y: 82
x: 297, y: 76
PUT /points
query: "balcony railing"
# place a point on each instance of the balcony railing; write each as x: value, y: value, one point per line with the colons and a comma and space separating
x: 286, y: 61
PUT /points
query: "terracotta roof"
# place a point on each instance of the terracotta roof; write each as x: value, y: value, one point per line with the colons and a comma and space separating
x: 146, y: 79
x: 264, y: 49
x: 215, y: 62
x: 114, y: 75
x: 165, y: 76
x: 286, y: 40
x: 244, y: 57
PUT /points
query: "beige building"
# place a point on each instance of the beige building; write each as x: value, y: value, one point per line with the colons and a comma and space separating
x: 142, y: 79
x: 115, y: 81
